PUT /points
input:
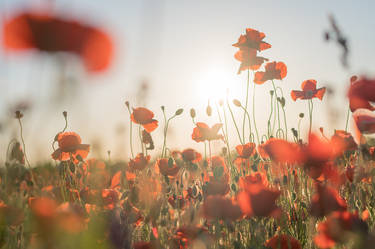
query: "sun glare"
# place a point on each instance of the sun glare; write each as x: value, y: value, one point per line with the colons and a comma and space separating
x: 215, y: 84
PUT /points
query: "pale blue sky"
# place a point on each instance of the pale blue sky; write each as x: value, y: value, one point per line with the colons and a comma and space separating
x: 184, y: 49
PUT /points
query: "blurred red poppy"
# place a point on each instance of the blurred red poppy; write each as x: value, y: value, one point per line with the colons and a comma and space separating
x: 309, y: 91
x: 164, y: 167
x: 364, y: 123
x: 48, y: 33
x: 259, y: 200
x: 283, y: 241
x: 253, y: 39
x: 219, y: 207
x: 325, y: 201
x: 144, y: 117
x: 343, y: 140
x: 361, y: 93
x: 337, y: 229
x: 246, y: 182
x: 274, y: 71
x: 281, y: 151
x: 139, y: 162
x: 190, y: 155
x: 249, y: 59
x: 70, y: 146
x: 203, y: 132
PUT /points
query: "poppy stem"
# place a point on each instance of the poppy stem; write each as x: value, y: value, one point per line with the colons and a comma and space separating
x: 255, y: 124
x: 248, y: 118
x: 225, y: 133
x: 283, y: 108
x: 246, y: 103
x: 140, y: 137
x: 234, y: 121
x: 277, y: 105
x: 310, y: 114
x: 347, y: 119
x: 130, y: 132
x: 269, y: 118
x: 209, y: 151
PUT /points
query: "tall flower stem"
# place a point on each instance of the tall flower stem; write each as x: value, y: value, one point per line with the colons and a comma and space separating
x: 255, y: 124
x: 225, y: 132
x: 269, y: 118
x: 235, y: 124
x: 347, y: 119
x: 277, y: 105
x: 246, y: 103
x: 284, y: 114
x: 311, y: 106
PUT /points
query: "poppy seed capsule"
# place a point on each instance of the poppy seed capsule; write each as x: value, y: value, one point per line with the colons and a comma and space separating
x: 65, y: 114
x: 236, y: 102
x: 301, y: 115
x: 19, y: 115
x: 192, y: 113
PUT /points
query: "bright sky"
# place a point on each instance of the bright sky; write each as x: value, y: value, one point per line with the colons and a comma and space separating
x: 184, y: 50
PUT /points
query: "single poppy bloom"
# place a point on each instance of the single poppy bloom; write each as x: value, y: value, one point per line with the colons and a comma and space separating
x: 344, y: 139
x: 246, y: 182
x: 139, y: 162
x: 309, y: 91
x: 364, y: 123
x: 190, y: 155
x: 259, y: 200
x: 337, y: 228
x: 283, y: 241
x: 70, y: 146
x: 325, y: 201
x: 246, y: 150
x: 249, y: 59
x: 203, y: 132
x: 49, y: 33
x: 219, y: 207
x: 281, y: 151
x: 274, y: 71
x: 361, y: 93
x: 165, y: 168
x: 144, y: 117
x: 253, y: 39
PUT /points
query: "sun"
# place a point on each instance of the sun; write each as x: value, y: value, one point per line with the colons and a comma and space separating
x: 215, y: 84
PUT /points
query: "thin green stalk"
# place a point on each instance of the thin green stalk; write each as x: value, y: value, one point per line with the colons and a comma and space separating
x: 246, y: 103
x: 269, y: 118
x: 311, y: 106
x: 249, y: 121
x: 277, y: 105
x: 283, y: 108
x: 255, y: 124
x: 234, y: 121
x: 225, y: 134
x: 130, y: 131
x: 140, y: 138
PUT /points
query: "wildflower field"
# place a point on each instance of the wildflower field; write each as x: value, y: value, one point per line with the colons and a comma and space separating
x: 278, y: 186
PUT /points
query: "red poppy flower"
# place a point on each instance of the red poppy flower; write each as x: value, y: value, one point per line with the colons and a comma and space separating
x: 203, y: 132
x: 338, y: 228
x: 70, y: 145
x: 253, y: 39
x: 143, y: 116
x: 259, y: 200
x: 309, y: 91
x: 246, y: 150
x: 361, y: 94
x: 274, y: 71
x: 164, y: 167
x: 190, y: 155
x: 139, y: 162
x: 283, y: 241
x: 281, y: 151
x: 249, y: 59
x: 246, y: 182
x: 325, y: 201
x: 219, y: 207
x: 49, y: 33
x: 364, y: 123
x: 344, y: 141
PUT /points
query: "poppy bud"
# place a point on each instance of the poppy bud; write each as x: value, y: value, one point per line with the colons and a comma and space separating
x: 271, y: 92
x: 209, y: 110
x: 65, y: 114
x: 282, y: 101
x: 170, y: 162
x: 179, y: 111
x: 19, y: 115
x: 295, y: 133
x: 127, y: 104
x: 321, y: 130
x: 236, y: 102
x: 301, y: 115
x: 192, y: 113
x: 162, y: 108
